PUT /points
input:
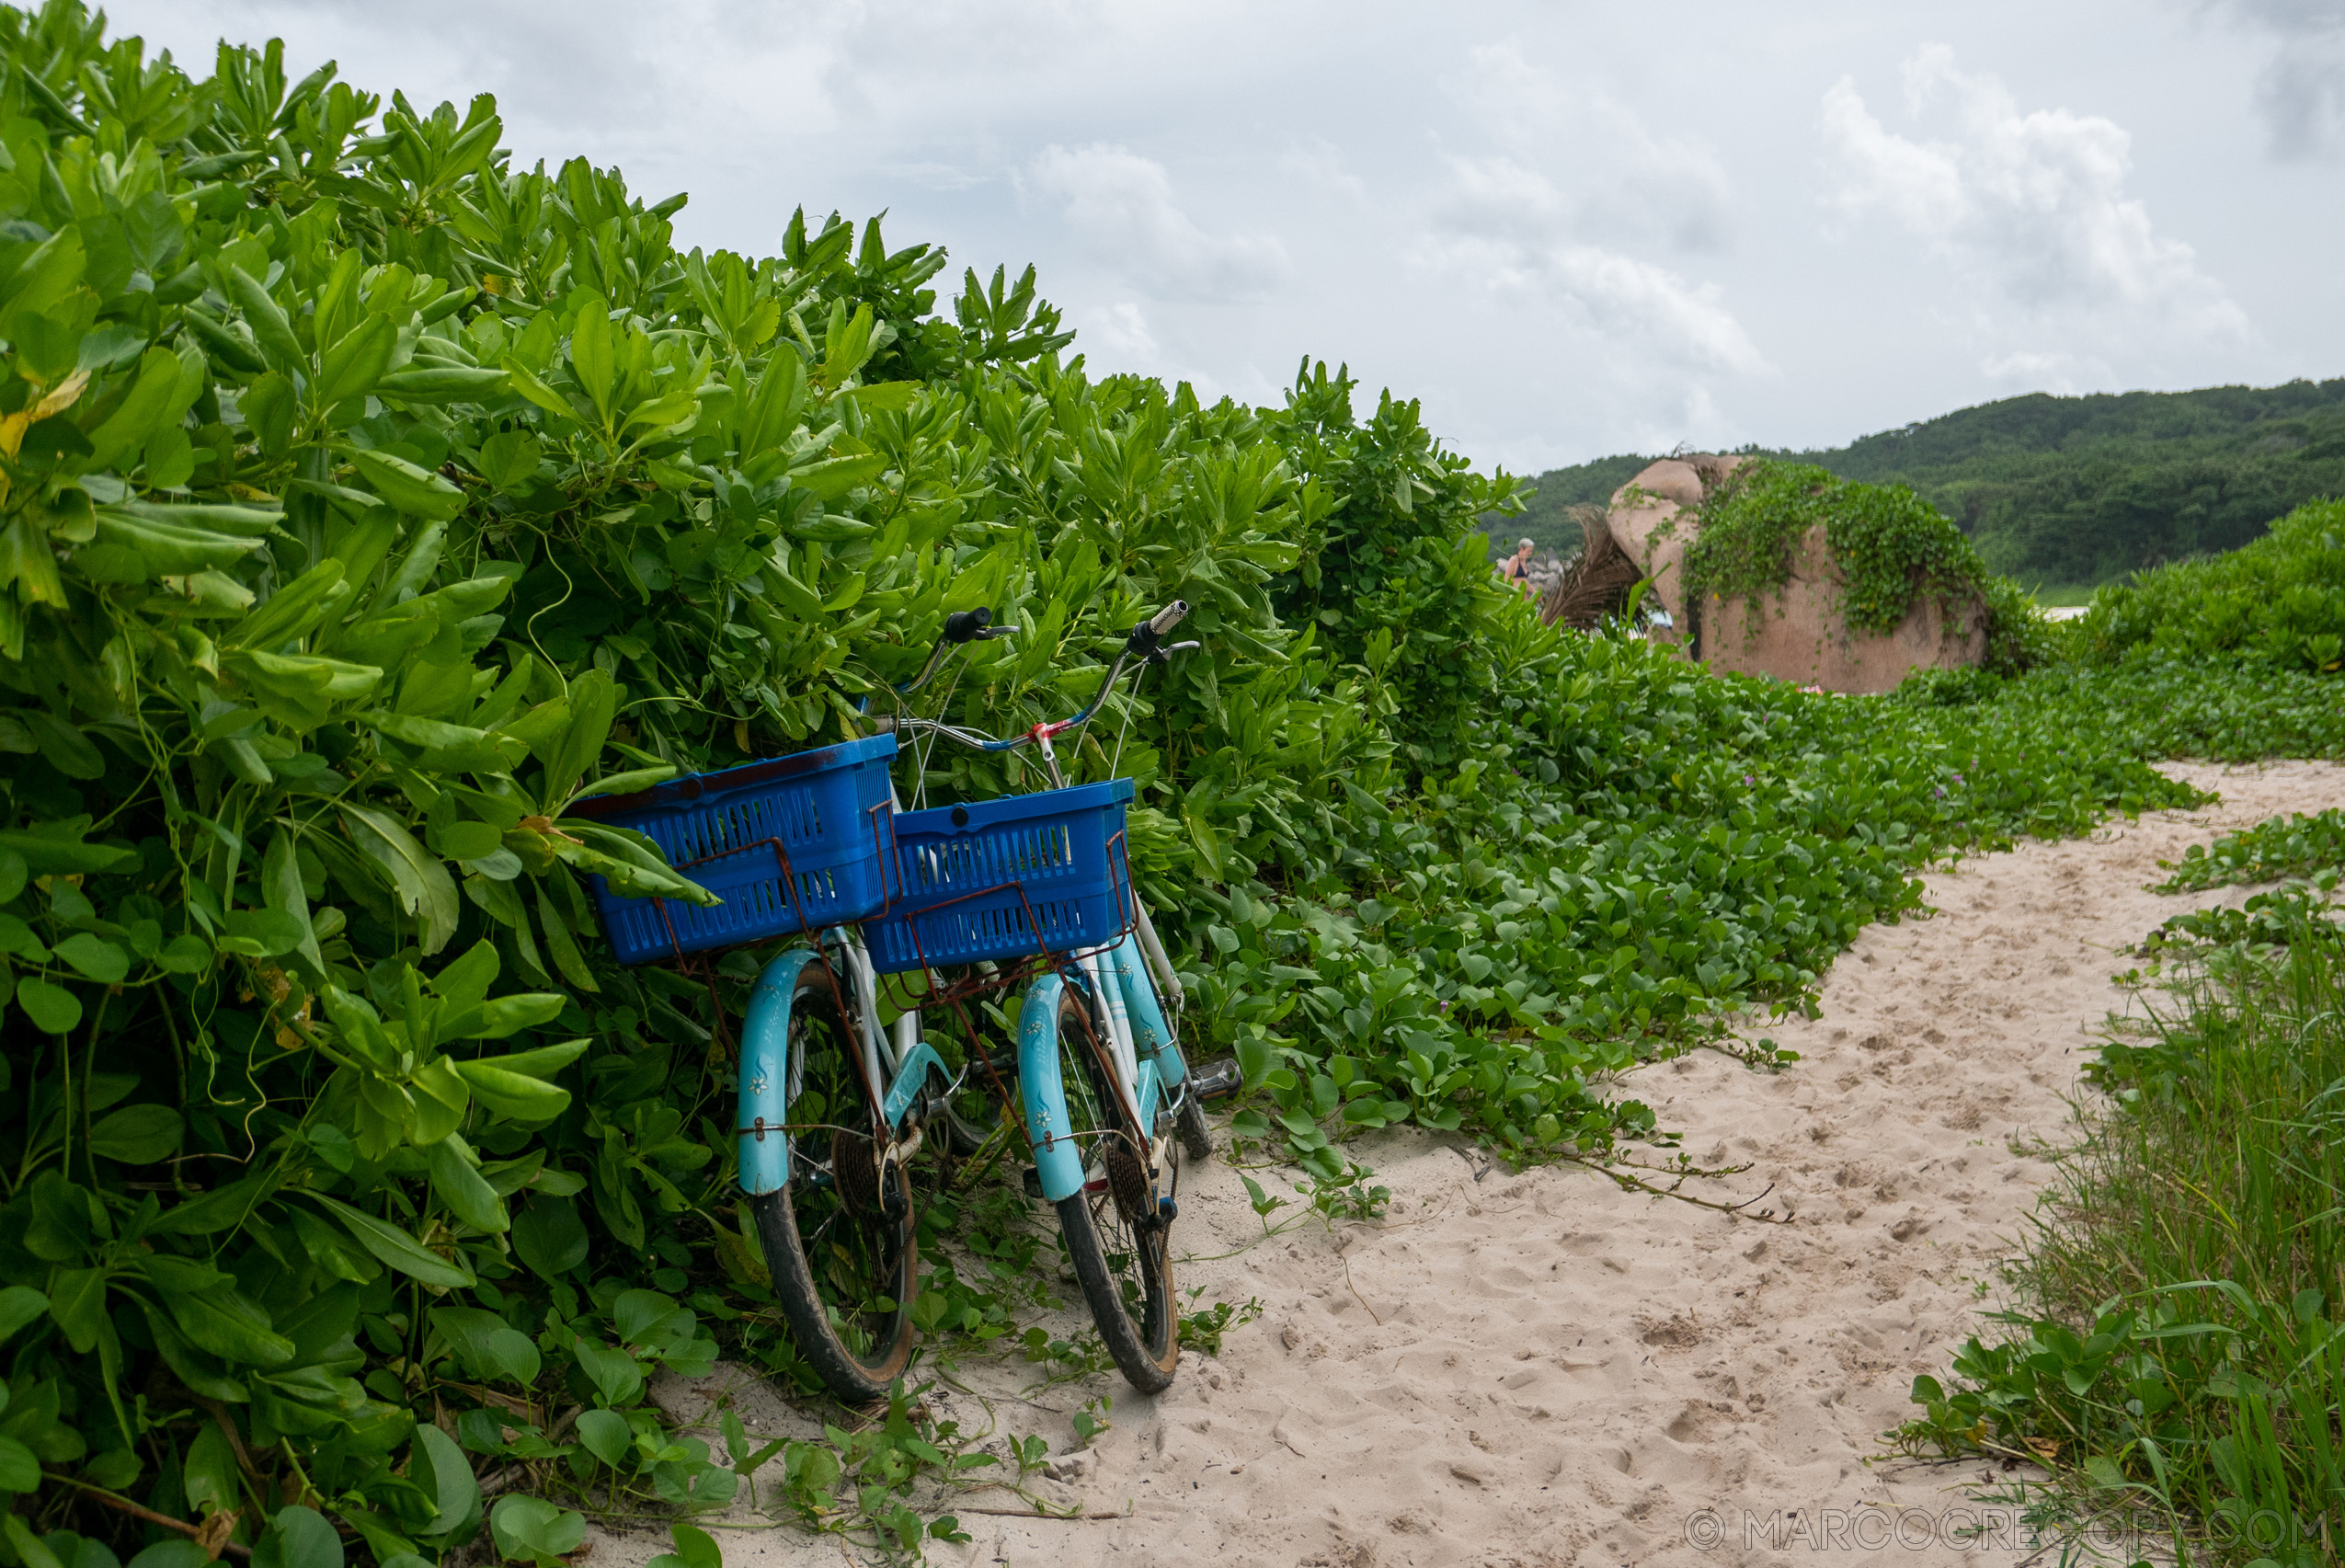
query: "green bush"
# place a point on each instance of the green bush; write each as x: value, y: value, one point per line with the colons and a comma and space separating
x: 2280, y: 600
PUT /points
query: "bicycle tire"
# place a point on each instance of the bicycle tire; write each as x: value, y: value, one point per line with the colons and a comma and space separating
x: 1120, y: 1265
x: 844, y: 1255
x: 1196, y: 1136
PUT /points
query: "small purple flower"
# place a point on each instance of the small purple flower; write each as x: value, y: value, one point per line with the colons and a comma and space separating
x: 1748, y: 779
x: 1958, y: 778
x: 1939, y: 791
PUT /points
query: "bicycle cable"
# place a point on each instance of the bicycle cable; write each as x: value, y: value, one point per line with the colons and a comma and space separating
x: 920, y: 758
x: 1131, y: 700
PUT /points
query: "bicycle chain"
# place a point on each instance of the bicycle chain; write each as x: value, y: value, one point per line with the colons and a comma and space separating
x: 856, y: 1169
x: 1129, y: 1180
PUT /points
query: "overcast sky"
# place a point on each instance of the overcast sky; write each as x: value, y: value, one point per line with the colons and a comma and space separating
x: 1570, y: 229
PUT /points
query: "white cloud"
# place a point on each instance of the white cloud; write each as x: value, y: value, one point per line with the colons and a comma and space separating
x: 940, y: 176
x: 1628, y: 305
x: 1121, y: 329
x: 1510, y: 231
x: 2031, y: 207
x: 2300, y: 93
x: 1320, y: 165
x: 1577, y: 237
x: 1619, y: 183
x: 1121, y: 205
x: 2024, y: 371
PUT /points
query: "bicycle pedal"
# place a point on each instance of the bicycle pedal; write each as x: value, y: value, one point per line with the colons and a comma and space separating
x: 1217, y: 1081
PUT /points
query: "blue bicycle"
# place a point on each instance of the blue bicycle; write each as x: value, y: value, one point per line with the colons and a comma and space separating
x: 1104, y: 1090
x: 976, y: 899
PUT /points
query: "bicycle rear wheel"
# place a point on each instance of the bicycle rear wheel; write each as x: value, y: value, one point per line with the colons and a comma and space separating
x: 840, y: 1237
x: 1115, y: 1234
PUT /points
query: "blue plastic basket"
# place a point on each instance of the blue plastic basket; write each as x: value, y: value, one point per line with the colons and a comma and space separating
x: 1007, y: 879
x: 811, y: 825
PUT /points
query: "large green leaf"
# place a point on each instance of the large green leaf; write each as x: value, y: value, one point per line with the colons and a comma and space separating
x: 353, y: 365
x: 396, y: 1248
x: 54, y: 849
x: 414, y: 490
x: 281, y: 885
x: 549, y: 1236
x: 77, y: 1302
x: 222, y: 1208
x: 223, y: 1321
x: 615, y: 1374
x: 593, y: 701
x: 20, y: 1468
x: 606, y: 1435
x: 448, y: 1479
x: 94, y: 958
x: 298, y: 1537
x: 53, y: 1009
x: 512, y: 1095
x: 424, y: 887
x: 455, y: 1176
x: 211, y: 1478
x: 629, y: 864
x: 529, y: 1530
x: 138, y: 1135
x: 500, y: 1016
x: 269, y: 326
x: 19, y: 1304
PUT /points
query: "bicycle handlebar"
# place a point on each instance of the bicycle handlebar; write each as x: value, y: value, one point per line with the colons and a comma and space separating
x: 961, y: 626
x: 1144, y: 644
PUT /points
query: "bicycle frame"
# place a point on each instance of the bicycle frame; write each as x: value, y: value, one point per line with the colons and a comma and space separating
x: 896, y: 1069
x: 1149, y: 1069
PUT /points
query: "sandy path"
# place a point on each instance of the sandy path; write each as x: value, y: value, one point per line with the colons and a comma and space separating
x: 1559, y: 1372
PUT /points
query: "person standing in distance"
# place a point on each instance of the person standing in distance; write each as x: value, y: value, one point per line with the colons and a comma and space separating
x: 1517, y: 567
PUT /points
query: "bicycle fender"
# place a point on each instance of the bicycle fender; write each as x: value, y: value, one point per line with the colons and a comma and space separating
x: 909, y: 1080
x: 764, y: 1092
x: 1152, y: 1039
x: 1056, y: 1158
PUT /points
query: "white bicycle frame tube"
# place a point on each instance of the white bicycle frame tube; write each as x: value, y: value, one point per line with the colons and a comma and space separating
x: 1120, y: 1051
x: 1154, y: 951
x: 877, y: 1069
x: 908, y: 1023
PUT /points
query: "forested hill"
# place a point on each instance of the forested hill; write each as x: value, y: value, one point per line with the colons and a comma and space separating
x: 2073, y: 490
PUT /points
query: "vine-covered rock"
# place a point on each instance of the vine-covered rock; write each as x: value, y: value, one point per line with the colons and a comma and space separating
x: 1781, y: 569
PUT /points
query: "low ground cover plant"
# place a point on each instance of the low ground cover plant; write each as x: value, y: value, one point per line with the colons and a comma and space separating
x: 2174, y: 1355
x: 366, y: 500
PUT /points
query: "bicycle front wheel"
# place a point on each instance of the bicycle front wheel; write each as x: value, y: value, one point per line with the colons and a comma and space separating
x: 1117, y: 1235
x: 840, y: 1237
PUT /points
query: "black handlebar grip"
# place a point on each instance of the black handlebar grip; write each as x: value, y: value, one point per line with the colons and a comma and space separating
x: 967, y: 625
x: 1169, y: 617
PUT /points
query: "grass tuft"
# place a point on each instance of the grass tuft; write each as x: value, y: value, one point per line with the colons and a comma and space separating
x: 2177, y: 1358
